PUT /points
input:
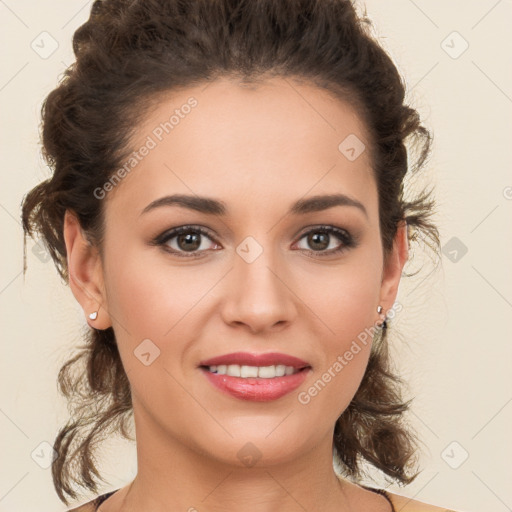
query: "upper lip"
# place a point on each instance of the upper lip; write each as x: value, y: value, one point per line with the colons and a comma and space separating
x: 247, y: 359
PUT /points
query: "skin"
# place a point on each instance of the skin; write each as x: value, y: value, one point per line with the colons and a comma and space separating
x: 259, y: 149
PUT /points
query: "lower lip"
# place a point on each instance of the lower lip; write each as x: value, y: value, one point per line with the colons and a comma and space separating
x: 256, y: 389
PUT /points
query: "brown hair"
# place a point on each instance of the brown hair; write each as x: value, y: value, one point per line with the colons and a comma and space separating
x: 127, y: 53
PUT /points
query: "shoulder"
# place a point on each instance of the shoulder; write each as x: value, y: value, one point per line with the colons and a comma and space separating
x: 404, y: 504
x: 400, y: 503
x: 92, y: 506
x: 86, y: 507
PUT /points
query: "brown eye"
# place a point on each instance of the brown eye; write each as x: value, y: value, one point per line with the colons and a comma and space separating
x: 320, y: 238
x: 188, y: 240
x: 319, y: 241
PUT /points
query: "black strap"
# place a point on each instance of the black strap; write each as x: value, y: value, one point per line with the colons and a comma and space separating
x: 383, y: 493
x: 100, y: 499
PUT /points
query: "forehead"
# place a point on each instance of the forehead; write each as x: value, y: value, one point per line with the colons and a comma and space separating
x: 263, y: 143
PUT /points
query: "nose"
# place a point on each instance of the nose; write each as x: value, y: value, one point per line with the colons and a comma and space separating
x: 259, y: 294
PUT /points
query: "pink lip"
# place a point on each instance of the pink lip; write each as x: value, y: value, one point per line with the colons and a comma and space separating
x: 257, y: 389
x: 247, y: 359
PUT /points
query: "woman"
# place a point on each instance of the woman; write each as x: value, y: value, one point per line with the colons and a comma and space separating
x: 227, y: 207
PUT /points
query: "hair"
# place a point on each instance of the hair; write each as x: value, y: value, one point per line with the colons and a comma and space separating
x: 129, y: 53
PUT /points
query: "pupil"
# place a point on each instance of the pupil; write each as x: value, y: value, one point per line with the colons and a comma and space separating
x: 319, y: 238
x: 192, y: 241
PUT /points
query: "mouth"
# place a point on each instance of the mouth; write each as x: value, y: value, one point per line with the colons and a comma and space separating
x: 257, y: 377
x: 255, y: 383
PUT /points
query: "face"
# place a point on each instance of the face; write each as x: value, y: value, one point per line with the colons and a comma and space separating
x: 249, y: 272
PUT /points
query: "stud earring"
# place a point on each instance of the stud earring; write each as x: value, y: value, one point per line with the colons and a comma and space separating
x: 93, y: 315
x: 384, y: 324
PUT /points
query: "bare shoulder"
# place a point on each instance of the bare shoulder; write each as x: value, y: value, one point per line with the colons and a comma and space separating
x: 86, y: 507
x: 404, y: 504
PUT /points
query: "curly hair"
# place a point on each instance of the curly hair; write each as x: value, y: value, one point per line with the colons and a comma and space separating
x: 129, y: 53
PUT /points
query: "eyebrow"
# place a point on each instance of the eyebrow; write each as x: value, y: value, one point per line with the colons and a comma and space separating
x: 211, y: 206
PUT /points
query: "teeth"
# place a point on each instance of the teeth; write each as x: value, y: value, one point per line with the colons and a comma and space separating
x: 263, y: 372
x: 233, y: 370
x: 247, y: 371
x: 281, y: 370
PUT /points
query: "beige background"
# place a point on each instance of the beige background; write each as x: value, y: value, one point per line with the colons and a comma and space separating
x: 455, y: 347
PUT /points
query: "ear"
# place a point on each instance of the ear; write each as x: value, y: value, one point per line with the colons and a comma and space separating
x: 85, y: 273
x: 392, y: 271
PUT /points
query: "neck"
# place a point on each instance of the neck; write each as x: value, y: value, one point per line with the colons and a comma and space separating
x: 171, y: 474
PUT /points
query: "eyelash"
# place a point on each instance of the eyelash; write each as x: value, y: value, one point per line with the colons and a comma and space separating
x: 348, y: 240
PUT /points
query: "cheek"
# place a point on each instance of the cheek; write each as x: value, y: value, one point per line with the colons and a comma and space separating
x: 160, y: 303
x: 346, y: 306
x: 344, y: 361
x: 148, y: 299
x: 346, y: 298
x: 150, y: 321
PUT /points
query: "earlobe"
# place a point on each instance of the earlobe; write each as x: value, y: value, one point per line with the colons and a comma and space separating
x: 85, y: 273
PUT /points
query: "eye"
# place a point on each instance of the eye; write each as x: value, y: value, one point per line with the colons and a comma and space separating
x: 320, y: 237
x: 188, y: 240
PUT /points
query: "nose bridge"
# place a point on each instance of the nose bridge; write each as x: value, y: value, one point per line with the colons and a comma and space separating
x: 256, y: 265
x: 258, y: 295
